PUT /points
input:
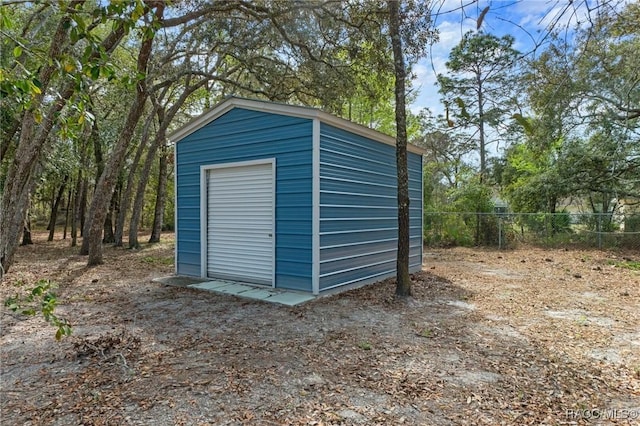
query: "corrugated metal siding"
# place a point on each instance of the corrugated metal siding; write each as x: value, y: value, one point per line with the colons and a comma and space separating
x: 243, y: 135
x: 358, y: 208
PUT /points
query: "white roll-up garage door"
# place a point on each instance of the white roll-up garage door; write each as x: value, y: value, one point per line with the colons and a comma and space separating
x: 240, y: 222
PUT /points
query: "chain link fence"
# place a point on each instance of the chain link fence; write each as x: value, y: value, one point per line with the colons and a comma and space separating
x: 507, y: 230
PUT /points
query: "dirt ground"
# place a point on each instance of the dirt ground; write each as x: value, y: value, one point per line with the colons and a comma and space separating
x: 491, y: 337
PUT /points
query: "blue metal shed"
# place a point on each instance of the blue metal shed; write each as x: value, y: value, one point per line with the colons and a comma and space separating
x: 289, y: 197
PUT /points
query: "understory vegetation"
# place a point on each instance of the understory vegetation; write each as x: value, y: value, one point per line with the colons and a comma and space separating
x: 90, y: 92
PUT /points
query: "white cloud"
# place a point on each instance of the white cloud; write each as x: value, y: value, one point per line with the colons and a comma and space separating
x: 449, y: 34
x: 531, y: 11
x: 420, y: 70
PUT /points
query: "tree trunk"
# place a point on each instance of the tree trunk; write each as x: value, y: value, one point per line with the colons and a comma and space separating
x: 83, y: 205
x: 554, y: 219
x: 161, y: 196
x: 19, y: 180
x: 403, y: 281
x: 114, y: 207
x: 77, y: 209
x: 68, y: 213
x: 97, y: 153
x: 481, y: 132
x: 138, y: 203
x: 52, y: 202
x: 26, y: 232
x: 108, y: 235
x: 107, y: 183
x: 7, y: 138
x: 483, y: 154
x: 128, y: 192
x: 74, y: 216
x: 99, y: 207
x: 54, y: 209
x: 107, y: 232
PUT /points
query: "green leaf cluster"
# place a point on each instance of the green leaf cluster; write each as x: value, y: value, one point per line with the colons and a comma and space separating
x: 41, y: 299
x: 581, y: 142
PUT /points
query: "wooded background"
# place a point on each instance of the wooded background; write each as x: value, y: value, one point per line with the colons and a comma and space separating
x: 90, y: 90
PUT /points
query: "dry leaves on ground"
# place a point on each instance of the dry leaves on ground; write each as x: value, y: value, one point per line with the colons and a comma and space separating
x: 491, y: 337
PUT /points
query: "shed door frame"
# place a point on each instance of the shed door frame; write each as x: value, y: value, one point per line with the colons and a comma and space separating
x: 204, y: 171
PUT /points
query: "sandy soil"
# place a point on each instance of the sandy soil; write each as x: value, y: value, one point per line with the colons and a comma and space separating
x: 491, y: 337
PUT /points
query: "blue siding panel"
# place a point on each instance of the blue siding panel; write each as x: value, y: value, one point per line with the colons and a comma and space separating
x: 295, y: 199
x: 293, y: 282
x: 354, y: 199
x: 294, y: 227
x: 358, y: 196
x: 350, y: 225
x: 192, y: 258
x: 189, y: 270
x: 349, y: 212
x: 355, y: 173
x: 354, y: 261
x: 365, y: 187
x: 243, y: 135
x: 297, y: 241
x: 189, y: 237
x: 360, y: 274
x: 358, y: 208
x: 293, y: 212
x: 332, y: 239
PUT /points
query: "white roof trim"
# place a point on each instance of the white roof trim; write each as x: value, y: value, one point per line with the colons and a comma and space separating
x: 283, y: 109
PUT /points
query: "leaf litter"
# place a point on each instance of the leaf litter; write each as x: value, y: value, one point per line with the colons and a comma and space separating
x: 490, y: 337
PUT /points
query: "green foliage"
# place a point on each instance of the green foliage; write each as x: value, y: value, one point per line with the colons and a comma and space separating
x: 473, y: 196
x: 470, y: 221
x: 169, y: 208
x: 427, y: 333
x: 41, y: 299
x: 546, y: 224
x: 441, y: 229
x: 365, y: 346
x: 530, y: 179
x: 632, y: 223
x: 451, y: 185
x: 582, y: 138
x: 627, y: 264
x: 153, y: 260
x: 525, y: 122
x: 83, y: 59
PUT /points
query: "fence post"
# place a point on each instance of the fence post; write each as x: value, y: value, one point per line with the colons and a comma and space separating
x: 599, y: 230
x: 500, y: 233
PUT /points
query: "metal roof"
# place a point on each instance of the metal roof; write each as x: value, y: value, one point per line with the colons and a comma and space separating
x: 284, y: 109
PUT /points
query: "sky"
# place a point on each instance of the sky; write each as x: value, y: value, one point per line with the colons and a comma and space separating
x: 528, y: 21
